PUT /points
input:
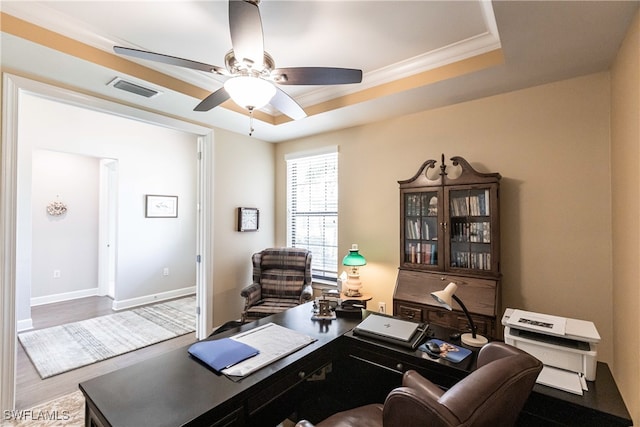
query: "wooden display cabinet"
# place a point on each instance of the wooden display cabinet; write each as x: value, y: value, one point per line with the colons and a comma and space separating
x: 450, y: 232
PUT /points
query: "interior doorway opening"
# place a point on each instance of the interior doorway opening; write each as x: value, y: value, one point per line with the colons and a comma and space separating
x: 11, y: 264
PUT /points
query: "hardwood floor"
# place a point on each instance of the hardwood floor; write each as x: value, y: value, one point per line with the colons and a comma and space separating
x: 32, y: 390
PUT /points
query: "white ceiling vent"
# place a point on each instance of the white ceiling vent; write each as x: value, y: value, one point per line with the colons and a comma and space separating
x: 127, y: 86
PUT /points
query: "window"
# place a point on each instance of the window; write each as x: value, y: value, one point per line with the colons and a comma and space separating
x: 312, y: 209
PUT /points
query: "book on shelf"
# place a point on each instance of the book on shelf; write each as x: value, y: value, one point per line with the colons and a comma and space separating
x: 477, y: 232
x: 425, y: 230
x: 473, y: 205
x: 422, y: 253
x: 473, y: 260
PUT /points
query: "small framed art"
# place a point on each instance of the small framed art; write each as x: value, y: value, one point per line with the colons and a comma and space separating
x: 248, y: 219
x: 161, y: 206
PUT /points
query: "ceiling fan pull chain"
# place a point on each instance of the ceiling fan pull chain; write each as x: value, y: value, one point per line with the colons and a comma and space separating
x: 251, y: 121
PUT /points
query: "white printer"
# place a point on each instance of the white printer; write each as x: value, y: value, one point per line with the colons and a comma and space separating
x: 566, y: 347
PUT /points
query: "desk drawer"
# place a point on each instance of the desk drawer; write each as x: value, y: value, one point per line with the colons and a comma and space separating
x: 409, y: 313
x: 235, y: 418
x: 452, y: 320
x: 402, y: 362
x: 279, y: 387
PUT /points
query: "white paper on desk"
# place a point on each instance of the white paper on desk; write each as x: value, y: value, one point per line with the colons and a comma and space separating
x: 545, y: 323
x: 560, y: 379
x: 273, y: 341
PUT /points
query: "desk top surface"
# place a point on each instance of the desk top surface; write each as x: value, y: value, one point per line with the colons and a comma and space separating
x: 603, y: 395
x: 174, y: 389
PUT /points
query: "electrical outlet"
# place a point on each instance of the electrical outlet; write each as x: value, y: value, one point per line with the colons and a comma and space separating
x: 56, y: 274
x: 382, y: 307
x: 165, y: 271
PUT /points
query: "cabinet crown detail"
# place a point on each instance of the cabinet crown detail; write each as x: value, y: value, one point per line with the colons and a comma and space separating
x: 464, y: 174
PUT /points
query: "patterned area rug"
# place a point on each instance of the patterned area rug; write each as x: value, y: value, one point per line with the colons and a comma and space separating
x: 62, y: 348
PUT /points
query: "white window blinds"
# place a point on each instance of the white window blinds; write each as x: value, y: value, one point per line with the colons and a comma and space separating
x: 312, y: 210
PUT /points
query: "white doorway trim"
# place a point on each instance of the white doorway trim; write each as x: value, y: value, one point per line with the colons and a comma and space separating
x: 204, y: 233
x: 12, y: 87
x: 107, y: 227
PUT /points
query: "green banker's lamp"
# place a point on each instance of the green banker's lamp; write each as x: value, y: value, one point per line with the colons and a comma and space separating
x: 444, y: 298
x: 353, y: 260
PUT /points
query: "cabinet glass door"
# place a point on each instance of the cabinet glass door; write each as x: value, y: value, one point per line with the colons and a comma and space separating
x: 421, y: 227
x: 469, y: 230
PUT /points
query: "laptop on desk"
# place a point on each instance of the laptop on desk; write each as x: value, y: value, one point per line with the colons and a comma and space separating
x: 393, y: 330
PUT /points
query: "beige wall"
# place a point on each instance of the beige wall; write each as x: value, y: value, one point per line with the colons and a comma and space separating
x: 551, y: 145
x: 625, y: 183
x: 244, y: 177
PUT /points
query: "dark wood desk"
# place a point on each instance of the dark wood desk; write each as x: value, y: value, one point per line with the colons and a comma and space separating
x: 176, y: 390
x: 601, y: 405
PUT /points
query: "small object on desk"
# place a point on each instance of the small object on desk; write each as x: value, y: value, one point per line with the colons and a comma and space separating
x: 392, y: 330
x: 455, y: 336
x: 222, y: 353
x: 433, y: 347
x: 349, y: 314
x: 350, y: 308
x: 450, y: 352
x: 324, y: 317
x: 352, y: 304
x: 322, y: 310
x: 575, y: 351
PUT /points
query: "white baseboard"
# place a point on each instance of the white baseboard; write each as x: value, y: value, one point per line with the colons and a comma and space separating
x: 148, y: 299
x: 24, y: 325
x: 48, y: 299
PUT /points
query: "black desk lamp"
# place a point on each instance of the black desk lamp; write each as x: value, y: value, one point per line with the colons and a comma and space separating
x: 444, y: 299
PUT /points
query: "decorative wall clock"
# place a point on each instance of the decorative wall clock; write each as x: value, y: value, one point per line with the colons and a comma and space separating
x: 248, y: 219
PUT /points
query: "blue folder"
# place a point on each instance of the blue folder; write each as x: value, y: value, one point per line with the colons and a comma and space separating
x: 222, y: 353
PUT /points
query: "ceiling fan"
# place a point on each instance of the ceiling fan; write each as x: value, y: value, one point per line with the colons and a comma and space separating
x: 250, y: 70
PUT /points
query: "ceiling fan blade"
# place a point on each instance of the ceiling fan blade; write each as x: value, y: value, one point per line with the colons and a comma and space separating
x: 287, y: 105
x: 316, y: 76
x: 245, y: 27
x: 171, y: 60
x: 213, y: 100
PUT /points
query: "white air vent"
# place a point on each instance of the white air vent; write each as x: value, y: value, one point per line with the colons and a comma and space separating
x: 134, y: 88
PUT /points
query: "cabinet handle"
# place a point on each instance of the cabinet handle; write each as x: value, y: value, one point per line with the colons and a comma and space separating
x: 301, y: 375
x: 400, y: 367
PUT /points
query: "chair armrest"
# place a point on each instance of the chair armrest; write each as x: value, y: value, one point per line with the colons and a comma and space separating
x: 307, y: 294
x: 422, y: 386
x: 407, y: 406
x: 252, y: 294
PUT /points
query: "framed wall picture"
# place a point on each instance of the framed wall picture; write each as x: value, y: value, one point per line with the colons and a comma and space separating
x: 248, y: 219
x: 161, y: 206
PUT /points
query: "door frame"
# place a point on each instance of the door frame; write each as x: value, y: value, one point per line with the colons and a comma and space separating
x: 107, y: 235
x: 12, y: 88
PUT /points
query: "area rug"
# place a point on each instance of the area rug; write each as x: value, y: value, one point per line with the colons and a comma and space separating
x: 62, y: 348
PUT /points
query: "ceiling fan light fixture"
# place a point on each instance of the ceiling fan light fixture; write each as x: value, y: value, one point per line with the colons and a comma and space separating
x: 250, y: 92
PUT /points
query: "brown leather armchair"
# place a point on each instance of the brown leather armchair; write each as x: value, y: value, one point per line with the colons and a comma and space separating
x: 492, y: 395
